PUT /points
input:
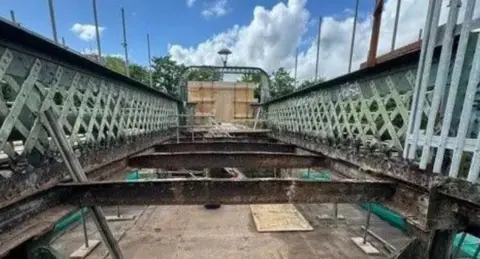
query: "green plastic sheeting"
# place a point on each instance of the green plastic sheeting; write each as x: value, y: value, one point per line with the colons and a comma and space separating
x: 469, y: 245
x: 389, y: 216
x: 316, y: 175
x: 69, y: 219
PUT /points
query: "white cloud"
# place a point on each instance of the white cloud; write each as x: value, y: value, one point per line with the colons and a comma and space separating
x: 217, y: 8
x: 269, y: 41
x: 86, y: 32
x: 190, y: 3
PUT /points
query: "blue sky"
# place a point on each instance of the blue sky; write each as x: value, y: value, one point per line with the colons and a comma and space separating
x: 167, y: 21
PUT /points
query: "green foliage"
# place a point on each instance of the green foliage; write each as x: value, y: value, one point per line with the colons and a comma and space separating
x: 167, y: 73
x: 205, y: 75
x: 282, y: 83
x: 139, y: 73
x: 308, y: 83
x: 116, y: 64
x: 253, y: 78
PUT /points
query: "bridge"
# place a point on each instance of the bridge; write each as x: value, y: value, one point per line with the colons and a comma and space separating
x: 402, y: 132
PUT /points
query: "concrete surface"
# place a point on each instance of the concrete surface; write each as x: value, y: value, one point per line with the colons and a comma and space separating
x: 229, y: 232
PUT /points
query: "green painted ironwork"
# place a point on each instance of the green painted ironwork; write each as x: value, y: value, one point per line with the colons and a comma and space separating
x: 367, y: 109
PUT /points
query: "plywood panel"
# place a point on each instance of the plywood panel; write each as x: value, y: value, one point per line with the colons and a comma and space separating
x: 278, y: 217
x: 223, y: 105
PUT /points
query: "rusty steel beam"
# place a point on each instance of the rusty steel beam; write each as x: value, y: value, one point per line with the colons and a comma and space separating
x: 247, y: 191
x: 261, y: 139
x: 190, y: 160
x: 377, y: 19
x: 225, y: 146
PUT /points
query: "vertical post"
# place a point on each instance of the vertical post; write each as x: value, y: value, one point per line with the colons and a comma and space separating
x: 318, y: 46
x: 335, y: 215
x: 97, y: 32
x: 420, y: 34
x: 421, y: 64
x: 395, y: 26
x: 12, y: 15
x: 84, y: 223
x: 63, y: 42
x: 76, y: 171
x: 178, y: 130
x: 149, y: 60
x: 377, y: 20
x: 367, y: 224
x: 52, y: 20
x: 296, y: 67
x: 125, y: 44
x: 353, y: 37
x: 118, y: 211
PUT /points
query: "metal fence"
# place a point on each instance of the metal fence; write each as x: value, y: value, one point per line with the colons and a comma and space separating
x: 94, y: 105
x: 372, y: 107
x: 370, y: 110
x: 447, y: 136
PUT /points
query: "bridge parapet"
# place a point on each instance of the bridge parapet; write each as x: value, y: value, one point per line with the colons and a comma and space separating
x: 369, y: 107
x: 102, y: 113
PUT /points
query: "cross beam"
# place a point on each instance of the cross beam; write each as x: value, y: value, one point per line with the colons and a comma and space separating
x: 225, y: 146
x: 189, y: 160
x: 248, y: 191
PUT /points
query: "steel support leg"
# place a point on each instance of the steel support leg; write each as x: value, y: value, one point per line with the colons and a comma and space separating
x: 335, y: 214
x: 367, y: 224
x: 77, y: 173
x: 441, y: 244
x: 84, y: 223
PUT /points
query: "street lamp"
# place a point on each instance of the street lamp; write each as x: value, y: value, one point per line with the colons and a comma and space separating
x: 224, y: 55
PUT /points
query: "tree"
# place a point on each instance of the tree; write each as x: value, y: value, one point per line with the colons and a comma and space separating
x: 307, y: 83
x: 282, y: 83
x: 167, y: 73
x: 205, y: 75
x: 253, y: 78
x: 139, y: 73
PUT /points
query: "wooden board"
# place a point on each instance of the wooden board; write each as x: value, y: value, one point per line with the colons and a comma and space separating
x: 278, y: 218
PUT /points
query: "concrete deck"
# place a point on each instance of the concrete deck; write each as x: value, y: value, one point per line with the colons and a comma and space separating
x: 229, y: 232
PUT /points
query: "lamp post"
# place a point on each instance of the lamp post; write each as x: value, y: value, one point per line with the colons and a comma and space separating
x: 224, y: 55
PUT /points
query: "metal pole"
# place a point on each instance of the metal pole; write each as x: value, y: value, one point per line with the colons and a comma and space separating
x: 63, y: 42
x: 395, y: 26
x: 76, y: 171
x: 460, y: 242
x: 318, y: 46
x: 178, y: 130
x: 52, y: 20
x: 97, y: 32
x: 12, y: 14
x: 335, y: 214
x: 353, y: 38
x: 118, y: 211
x: 125, y: 44
x: 85, y: 235
x: 149, y: 60
x: 296, y: 66
x: 367, y: 224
